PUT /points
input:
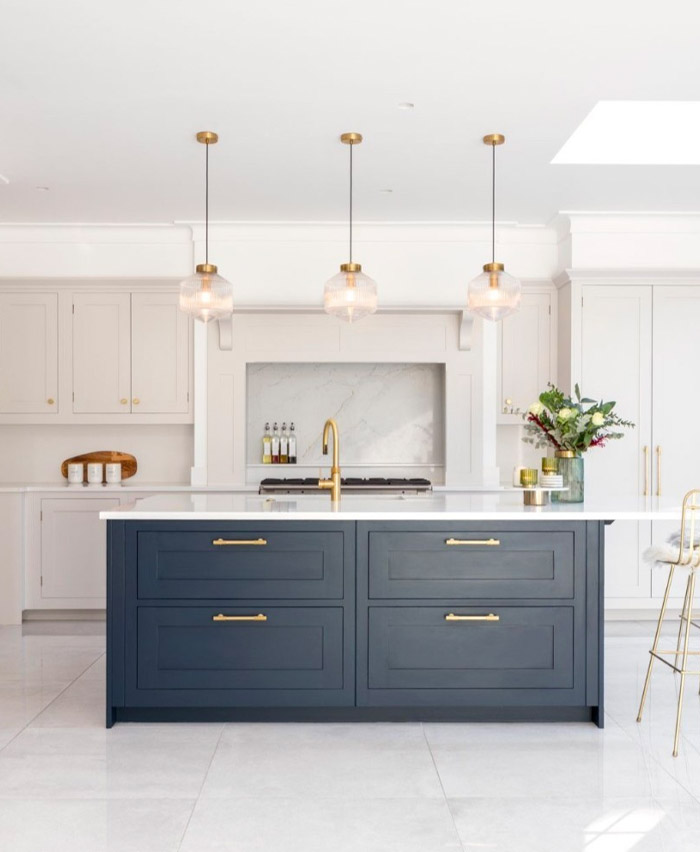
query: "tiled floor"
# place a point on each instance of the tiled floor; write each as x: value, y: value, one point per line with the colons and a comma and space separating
x: 66, y: 783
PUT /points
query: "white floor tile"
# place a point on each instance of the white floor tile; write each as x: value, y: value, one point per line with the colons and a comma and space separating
x: 351, y: 760
x: 321, y: 825
x: 97, y: 826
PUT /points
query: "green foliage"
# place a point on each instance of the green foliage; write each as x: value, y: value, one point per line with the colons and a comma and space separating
x: 576, y: 424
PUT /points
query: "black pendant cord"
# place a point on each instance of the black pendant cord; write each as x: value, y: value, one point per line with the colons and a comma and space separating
x: 493, y: 204
x: 350, y: 146
x: 206, y: 206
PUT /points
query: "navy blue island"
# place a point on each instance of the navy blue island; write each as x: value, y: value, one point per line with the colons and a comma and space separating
x: 449, y: 606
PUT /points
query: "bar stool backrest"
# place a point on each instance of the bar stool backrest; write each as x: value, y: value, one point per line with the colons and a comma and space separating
x: 690, y: 528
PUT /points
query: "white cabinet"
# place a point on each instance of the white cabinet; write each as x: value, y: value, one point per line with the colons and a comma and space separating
x: 526, y: 355
x: 28, y: 353
x: 102, y: 353
x: 159, y: 354
x: 66, y: 548
x: 635, y: 343
x: 131, y: 354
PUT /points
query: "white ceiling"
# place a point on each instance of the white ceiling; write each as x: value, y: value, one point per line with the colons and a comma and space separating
x: 100, y: 102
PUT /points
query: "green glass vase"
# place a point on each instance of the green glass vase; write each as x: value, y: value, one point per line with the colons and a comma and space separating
x: 570, y: 466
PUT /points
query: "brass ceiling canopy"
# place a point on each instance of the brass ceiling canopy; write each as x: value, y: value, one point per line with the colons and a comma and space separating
x: 207, y: 137
x: 494, y: 139
x: 351, y: 138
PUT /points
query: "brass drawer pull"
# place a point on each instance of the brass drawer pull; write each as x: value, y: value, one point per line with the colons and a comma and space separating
x: 490, y: 617
x: 256, y: 542
x: 221, y: 617
x: 485, y: 542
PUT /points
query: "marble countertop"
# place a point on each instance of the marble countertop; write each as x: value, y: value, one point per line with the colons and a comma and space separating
x: 445, y: 505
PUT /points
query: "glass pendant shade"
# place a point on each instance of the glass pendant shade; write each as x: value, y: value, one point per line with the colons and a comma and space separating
x: 494, y: 294
x: 206, y: 295
x: 350, y: 295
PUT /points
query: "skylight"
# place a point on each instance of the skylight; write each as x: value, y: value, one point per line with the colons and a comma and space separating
x: 636, y: 133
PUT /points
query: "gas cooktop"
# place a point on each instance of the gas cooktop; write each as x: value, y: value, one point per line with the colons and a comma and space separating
x: 375, y: 484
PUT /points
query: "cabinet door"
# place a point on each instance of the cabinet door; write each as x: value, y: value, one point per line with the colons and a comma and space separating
x: 74, y: 551
x: 159, y: 354
x: 28, y: 353
x: 525, y: 355
x: 676, y: 408
x: 101, y: 353
x: 616, y: 365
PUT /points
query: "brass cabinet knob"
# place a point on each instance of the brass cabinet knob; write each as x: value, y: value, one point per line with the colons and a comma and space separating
x: 123, y: 401
x: 509, y: 401
x: 136, y: 400
x: 50, y: 401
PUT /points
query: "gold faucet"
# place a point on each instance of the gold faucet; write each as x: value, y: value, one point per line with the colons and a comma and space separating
x: 332, y: 484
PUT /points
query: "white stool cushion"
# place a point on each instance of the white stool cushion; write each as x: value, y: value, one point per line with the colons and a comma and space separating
x: 666, y: 553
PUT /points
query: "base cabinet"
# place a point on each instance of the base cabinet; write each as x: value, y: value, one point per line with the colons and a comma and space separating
x: 344, y: 620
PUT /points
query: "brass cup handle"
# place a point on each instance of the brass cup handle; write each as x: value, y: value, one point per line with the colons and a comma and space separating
x: 658, y: 470
x: 647, y: 470
x: 221, y: 617
x: 484, y: 542
x: 451, y: 616
x: 255, y: 542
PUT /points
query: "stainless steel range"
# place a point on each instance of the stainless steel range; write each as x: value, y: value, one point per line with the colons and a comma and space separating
x: 373, y: 485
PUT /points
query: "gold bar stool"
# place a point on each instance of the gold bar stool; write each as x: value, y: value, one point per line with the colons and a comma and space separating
x: 686, y: 556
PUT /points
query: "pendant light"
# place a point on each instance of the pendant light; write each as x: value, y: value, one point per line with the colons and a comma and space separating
x: 494, y: 294
x: 350, y: 295
x: 206, y: 295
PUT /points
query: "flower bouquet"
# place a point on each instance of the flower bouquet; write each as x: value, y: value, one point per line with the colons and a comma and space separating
x: 571, y: 426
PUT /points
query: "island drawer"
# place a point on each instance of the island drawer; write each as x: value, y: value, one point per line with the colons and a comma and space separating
x: 470, y: 648
x: 239, y: 648
x: 471, y: 564
x: 240, y: 565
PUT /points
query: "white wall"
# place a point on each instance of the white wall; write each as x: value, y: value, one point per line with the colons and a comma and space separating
x: 33, y: 454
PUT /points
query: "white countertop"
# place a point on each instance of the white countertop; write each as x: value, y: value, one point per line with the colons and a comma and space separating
x: 445, y: 505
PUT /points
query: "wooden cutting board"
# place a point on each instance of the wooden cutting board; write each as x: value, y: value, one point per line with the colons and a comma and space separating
x: 128, y: 462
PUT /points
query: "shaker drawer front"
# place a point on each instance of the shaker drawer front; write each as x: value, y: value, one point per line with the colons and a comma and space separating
x: 241, y: 565
x: 468, y: 564
x: 504, y: 648
x: 249, y: 648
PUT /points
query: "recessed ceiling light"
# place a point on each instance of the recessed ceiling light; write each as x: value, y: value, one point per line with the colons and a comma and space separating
x: 636, y: 133
x: 3, y: 179
x: 406, y: 105
x: 42, y: 188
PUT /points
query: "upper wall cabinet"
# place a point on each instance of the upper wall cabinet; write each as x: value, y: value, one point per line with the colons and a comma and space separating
x: 94, y: 354
x: 160, y: 362
x: 102, y: 353
x: 526, y: 355
x: 130, y: 354
x: 29, y: 353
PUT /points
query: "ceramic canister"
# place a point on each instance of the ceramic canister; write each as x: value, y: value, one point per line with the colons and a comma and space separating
x: 75, y: 473
x: 113, y: 473
x: 95, y: 470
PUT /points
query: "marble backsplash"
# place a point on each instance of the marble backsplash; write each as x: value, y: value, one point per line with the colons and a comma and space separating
x: 388, y: 414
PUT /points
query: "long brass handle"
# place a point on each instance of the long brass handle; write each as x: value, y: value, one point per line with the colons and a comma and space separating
x: 486, y: 542
x: 647, y: 469
x: 451, y: 616
x: 658, y: 470
x: 221, y: 617
x: 255, y: 542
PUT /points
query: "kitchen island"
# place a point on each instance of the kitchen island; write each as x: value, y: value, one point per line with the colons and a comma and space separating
x: 451, y: 606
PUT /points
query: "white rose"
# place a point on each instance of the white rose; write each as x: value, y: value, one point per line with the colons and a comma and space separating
x: 598, y: 418
x: 565, y: 413
x: 536, y: 408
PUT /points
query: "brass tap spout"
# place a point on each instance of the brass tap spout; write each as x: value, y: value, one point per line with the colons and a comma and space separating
x: 333, y: 483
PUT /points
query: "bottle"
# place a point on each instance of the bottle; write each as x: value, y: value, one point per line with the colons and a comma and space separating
x: 284, y: 444
x: 292, y: 451
x: 267, y: 445
x: 275, y: 444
